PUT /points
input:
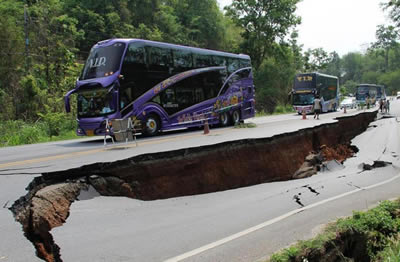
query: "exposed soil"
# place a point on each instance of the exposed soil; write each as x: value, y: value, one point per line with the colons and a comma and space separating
x: 348, y: 246
x: 184, y: 172
x: 43, y: 208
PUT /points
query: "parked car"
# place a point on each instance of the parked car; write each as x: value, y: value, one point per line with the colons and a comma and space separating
x: 348, y: 102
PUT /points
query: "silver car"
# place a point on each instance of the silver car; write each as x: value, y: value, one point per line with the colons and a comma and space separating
x: 348, y: 102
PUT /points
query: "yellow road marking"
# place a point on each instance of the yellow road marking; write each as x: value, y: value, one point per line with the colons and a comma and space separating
x: 93, y: 151
x: 42, y: 159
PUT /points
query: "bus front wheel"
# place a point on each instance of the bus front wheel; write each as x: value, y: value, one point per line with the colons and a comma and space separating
x: 236, y: 117
x: 151, y: 125
x: 224, y: 119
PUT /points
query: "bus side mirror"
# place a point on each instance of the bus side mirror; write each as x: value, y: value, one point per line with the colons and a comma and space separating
x: 67, y: 105
x: 66, y: 100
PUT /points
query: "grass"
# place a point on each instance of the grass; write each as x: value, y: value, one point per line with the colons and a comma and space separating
x: 392, y: 252
x: 245, y: 125
x: 375, y: 232
x: 13, y: 133
x: 279, y: 110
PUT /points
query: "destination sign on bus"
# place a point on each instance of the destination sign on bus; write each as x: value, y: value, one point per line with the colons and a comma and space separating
x: 304, y: 78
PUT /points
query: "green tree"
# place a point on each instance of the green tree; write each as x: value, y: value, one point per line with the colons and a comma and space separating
x: 264, y: 22
x: 274, y: 79
x: 392, y: 81
x: 231, y: 36
x: 334, y: 66
x: 352, y: 66
x: 12, y: 66
x: 202, y: 22
x: 349, y: 87
x: 370, y: 77
x: 53, y: 36
x: 316, y: 59
x: 393, y: 6
x: 297, y: 51
x: 387, y: 38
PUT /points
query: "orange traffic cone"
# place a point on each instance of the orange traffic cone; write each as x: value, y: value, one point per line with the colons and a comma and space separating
x: 344, y: 111
x: 304, y: 114
x: 206, y: 127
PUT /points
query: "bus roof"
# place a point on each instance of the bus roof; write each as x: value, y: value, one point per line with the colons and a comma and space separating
x: 172, y: 46
x: 370, y: 85
x: 319, y: 74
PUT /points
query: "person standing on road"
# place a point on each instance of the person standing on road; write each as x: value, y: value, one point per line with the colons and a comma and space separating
x: 317, y: 107
x: 381, y: 105
x: 386, y: 106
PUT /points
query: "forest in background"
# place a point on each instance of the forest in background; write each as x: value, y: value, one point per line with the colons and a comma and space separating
x: 44, y: 43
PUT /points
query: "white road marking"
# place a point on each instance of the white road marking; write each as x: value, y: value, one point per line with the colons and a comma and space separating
x: 270, y: 222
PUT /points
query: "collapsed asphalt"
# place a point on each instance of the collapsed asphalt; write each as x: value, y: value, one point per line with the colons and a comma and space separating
x: 177, y: 173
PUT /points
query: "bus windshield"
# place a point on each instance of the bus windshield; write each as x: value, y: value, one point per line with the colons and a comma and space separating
x: 103, y: 61
x: 93, y: 103
x: 303, y: 99
x: 364, y: 91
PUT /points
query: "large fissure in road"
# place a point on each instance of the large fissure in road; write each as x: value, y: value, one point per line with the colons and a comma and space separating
x: 183, y: 172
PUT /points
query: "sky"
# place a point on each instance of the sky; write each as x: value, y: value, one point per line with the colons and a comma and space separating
x: 337, y: 25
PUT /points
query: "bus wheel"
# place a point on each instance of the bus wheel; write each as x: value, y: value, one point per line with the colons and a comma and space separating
x: 151, y: 125
x: 224, y: 119
x: 236, y: 117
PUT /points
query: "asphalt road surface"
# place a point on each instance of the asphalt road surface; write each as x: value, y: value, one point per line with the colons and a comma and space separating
x: 245, y: 224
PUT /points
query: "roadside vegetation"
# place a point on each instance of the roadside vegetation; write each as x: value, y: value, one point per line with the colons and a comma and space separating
x: 45, y: 43
x: 245, y: 125
x: 18, y: 132
x: 373, y: 235
x: 279, y: 109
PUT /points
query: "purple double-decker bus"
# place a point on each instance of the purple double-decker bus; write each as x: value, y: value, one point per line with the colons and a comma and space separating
x: 164, y: 86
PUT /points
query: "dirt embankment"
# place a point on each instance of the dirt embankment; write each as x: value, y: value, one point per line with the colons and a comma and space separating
x: 181, y: 172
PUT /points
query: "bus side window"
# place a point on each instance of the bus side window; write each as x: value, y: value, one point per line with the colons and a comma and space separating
x: 160, y: 59
x: 197, y: 85
x: 235, y: 78
x: 245, y: 63
x: 167, y: 100
x: 244, y: 73
x: 134, y: 60
x: 201, y: 60
x: 233, y: 65
x: 184, y: 94
x: 219, y: 61
x: 183, y: 60
x: 198, y: 94
x: 168, y: 96
x: 212, y: 83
